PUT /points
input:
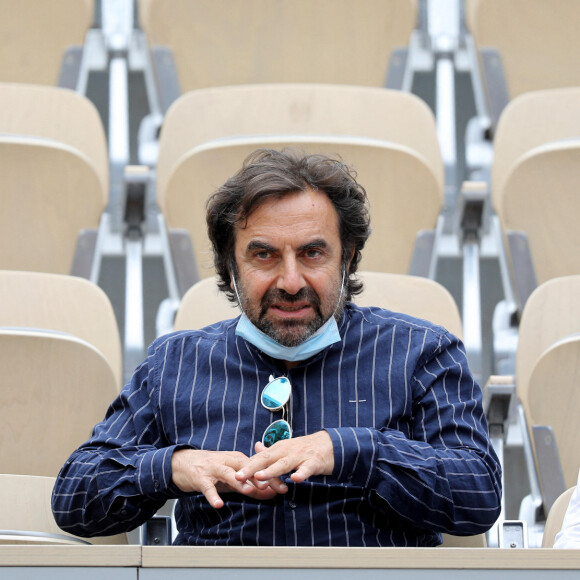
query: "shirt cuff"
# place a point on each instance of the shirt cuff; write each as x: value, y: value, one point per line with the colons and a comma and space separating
x: 154, y: 474
x: 354, y: 453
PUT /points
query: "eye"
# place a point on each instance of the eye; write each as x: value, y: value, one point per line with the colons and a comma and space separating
x: 313, y: 253
x: 263, y: 255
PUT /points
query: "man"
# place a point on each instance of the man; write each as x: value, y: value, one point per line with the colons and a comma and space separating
x: 378, y: 433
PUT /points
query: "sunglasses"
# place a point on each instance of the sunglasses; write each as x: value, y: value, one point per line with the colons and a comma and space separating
x: 275, y: 397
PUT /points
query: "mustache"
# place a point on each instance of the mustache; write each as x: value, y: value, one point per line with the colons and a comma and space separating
x: 274, y: 295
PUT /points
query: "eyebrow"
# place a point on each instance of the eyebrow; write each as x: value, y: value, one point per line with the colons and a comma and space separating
x: 257, y: 245
x: 314, y: 244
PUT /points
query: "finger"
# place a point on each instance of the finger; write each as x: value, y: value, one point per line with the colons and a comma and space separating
x: 277, y: 485
x: 259, y: 462
x: 210, y: 492
x: 260, y: 494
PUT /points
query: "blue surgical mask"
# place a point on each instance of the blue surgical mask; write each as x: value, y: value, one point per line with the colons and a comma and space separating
x: 326, y: 335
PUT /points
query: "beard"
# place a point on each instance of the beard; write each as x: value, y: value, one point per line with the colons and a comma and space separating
x: 294, y: 331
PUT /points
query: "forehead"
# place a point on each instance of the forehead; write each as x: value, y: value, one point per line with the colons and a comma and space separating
x: 297, y: 215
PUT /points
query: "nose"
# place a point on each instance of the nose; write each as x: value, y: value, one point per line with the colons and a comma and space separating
x: 290, y: 277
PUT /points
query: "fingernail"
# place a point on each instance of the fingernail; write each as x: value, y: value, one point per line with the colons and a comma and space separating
x: 283, y: 487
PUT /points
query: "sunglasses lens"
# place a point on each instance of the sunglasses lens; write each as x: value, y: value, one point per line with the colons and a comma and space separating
x: 276, y: 393
x: 277, y: 431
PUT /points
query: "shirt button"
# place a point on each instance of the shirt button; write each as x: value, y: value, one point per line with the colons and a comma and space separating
x: 123, y: 512
x: 156, y: 484
x: 292, y: 505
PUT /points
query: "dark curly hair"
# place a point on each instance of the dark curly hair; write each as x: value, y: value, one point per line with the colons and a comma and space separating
x: 271, y: 174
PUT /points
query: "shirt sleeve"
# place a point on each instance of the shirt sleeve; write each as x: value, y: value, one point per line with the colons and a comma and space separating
x: 569, y: 536
x: 121, y: 476
x: 446, y: 476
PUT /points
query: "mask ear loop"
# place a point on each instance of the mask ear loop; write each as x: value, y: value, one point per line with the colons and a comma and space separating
x: 341, y: 291
x: 233, y: 279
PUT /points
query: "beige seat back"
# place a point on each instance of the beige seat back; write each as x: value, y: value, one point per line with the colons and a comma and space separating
x: 62, y: 303
x: 538, y: 40
x: 553, y: 398
x: 58, y: 114
x: 296, y: 109
x: 555, y: 518
x: 55, y: 388
x: 26, y: 516
x: 36, y: 34
x: 397, y: 181
x: 531, y: 120
x: 420, y: 297
x: 551, y: 312
x: 49, y: 192
x: 227, y: 42
x: 540, y: 197
x: 204, y: 304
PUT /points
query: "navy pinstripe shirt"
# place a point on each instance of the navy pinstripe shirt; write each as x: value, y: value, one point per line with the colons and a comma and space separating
x: 412, y: 453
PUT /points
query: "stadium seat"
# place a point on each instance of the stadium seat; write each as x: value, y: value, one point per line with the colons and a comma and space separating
x: 525, y: 45
x: 42, y: 41
x: 55, y: 388
x: 551, y: 314
x: 536, y: 207
x: 55, y: 180
x: 530, y: 120
x: 553, y: 399
x: 26, y: 516
x: 204, y: 43
x: 531, y: 201
x: 61, y: 303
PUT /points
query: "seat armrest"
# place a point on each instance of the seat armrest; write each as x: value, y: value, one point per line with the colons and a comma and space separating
x: 525, y: 281
x: 166, y: 77
x: 497, y: 94
x: 549, y: 467
x: 498, y: 394
x: 422, y: 256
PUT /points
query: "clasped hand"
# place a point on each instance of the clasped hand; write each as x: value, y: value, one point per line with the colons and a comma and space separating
x: 258, y: 476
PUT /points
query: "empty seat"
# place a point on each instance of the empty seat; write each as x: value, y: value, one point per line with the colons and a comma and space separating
x: 539, y: 198
x: 61, y: 303
x: 530, y: 120
x: 296, y: 109
x: 26, y: 516
x: 226, y: 42
x: 36, y: 35
x: 55, y: 180
x: 552, y: 398
x: 551, y: 314
x: 531, y: 224
x: 55, y: 388
x: 537, y: 41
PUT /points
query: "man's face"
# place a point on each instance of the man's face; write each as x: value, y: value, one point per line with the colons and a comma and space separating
x: 289, y: 263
